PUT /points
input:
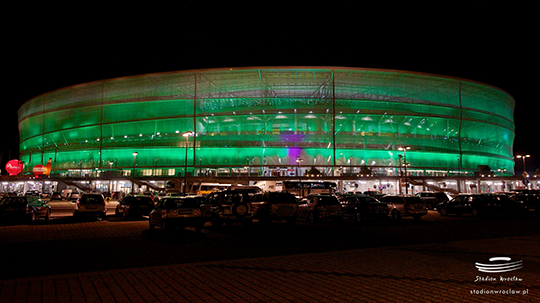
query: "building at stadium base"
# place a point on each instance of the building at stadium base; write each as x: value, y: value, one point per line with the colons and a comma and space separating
x: 268, y: 122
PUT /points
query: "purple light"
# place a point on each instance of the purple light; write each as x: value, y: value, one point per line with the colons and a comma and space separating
x: 293, y: 153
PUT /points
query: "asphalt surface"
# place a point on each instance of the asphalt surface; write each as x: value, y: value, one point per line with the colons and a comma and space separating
x: 64, y: 245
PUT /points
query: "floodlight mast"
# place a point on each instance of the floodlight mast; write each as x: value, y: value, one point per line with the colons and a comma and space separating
x: 133, y: 174
x: 405, y: 149
x: 186, y: 135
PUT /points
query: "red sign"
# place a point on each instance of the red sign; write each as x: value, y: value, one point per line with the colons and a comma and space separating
x: 39, y: 170
x: 42, y: 170
x: 14, y: 167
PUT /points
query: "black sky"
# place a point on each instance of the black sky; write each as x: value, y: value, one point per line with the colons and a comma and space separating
x: 490, y: 45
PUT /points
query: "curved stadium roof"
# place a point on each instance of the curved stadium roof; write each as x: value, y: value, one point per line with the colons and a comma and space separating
x: 270, y: 116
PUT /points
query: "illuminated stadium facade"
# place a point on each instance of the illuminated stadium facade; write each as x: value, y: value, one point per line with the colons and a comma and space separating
x: 271, y: 121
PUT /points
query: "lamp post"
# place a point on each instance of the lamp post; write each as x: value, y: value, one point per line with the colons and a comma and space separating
x: 133, y: 171
x: 247, y: 167
x: 405, y: 149
x: 298, y: 160
x: 80, y: 168
x: 110, y: 176
x: 186, y: 135
x: 523, y: 158
x: 200, y: 166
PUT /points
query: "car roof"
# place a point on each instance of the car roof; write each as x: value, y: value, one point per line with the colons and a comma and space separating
x: 356, y: 196
x: 179, y: 197
x: 482, y: 194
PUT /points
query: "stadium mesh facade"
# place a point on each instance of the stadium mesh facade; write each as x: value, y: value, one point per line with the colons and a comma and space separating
x: 269, y: 117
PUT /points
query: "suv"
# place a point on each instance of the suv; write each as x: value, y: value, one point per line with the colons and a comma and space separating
x: 529, y: 202
x: 478, y: 204
x: 24, y: 207
x: 177, y: 212
x: 360, y: 207
x: 318, y: 207
x: 405, y: 206
x: 91, y: 205
x: 274, y: 206
x: 432, y: 199
x: 135, y: 206
x: 228, y: 206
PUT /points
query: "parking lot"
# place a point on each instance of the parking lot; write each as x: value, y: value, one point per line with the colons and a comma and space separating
x: 234, y: 263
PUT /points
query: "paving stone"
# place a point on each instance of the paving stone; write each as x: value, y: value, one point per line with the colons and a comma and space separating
x: 436, y: 272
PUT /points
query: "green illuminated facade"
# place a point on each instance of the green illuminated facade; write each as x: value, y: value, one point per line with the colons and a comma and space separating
x: 268, y: 117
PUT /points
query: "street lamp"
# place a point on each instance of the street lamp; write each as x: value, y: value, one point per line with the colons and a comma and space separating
x: 405, y: 149
x: 133, y: 171
x: 523, y: 158
x: 186, y: 135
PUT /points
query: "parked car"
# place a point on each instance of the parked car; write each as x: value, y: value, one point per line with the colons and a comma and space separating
x: 228, y: 206
x: 360, y: 207
x: 56, y: 196
x: 374, y: 194
x: 174, y: 212
x: 400, y: 206
x: 135, y: 206
x: 528, y: 201
x: 274, y: 206
x: 26, y: 208
x: 432, y: 199
x: 90, y: 205
x: 75, y: 196
x: 32, y: 193
x: 317, y: 207
x: 478, y: 204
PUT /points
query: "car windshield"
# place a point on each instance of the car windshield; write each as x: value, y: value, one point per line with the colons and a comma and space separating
x: 169, y: 203
x: 328, y: 200
x: 13, y: 201
x: 172, y: 203
x: 276, y: 197
x: 232, y: 197
x: 367, y: 200
x: 91, y: 199
x: 139, y: 200
x: 413, y: 200
x: 441, y: 196
x: 189, y: 203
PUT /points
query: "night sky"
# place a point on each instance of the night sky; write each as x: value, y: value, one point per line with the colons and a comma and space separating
x: 492, y: 45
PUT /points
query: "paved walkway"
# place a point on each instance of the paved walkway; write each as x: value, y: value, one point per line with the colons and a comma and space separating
x: 414, y: 273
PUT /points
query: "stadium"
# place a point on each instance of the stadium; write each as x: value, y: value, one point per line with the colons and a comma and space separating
x: 271, y: 121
